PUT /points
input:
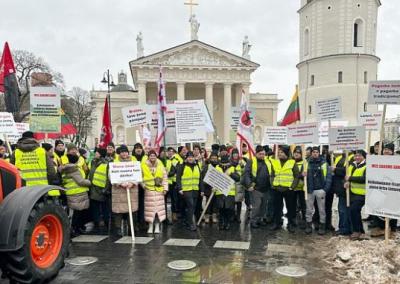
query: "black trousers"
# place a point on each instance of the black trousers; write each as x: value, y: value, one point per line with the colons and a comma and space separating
x: 290, y: 201
x: 301, y: 204
x: 140, y: 214
x: 190, y: 198
x: 328, y: 207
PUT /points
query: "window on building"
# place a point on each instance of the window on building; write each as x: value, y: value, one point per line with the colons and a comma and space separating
x: 309, y: 109
x: 358, y: 33
x: 312, y: 82
x: 365, y: 77
x: 340, y: 77
x: 365, y: 107
x: 306, y: 42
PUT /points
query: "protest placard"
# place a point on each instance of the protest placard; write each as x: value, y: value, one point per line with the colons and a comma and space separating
x: 306, y: 133
x: 347, y: 138
x: 45, y: 107
x: 190, y: 122
x: 383, y: 186
x: 218, y: 180
x: 125, y: 172
x: 20, y: 128
x: 384, y: 92
x: 323, y: 130
x: 135, y: 115
x: 275, y: 135
x: 235, y: 115
x: 7, y: 124
x: 372, y: 121
x: 328, y: 109
x: 170, y: 135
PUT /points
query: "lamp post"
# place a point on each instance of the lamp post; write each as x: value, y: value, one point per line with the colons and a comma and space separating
x: 108, y: 79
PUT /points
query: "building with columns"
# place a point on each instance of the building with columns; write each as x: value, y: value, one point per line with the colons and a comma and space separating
x: 337, y: 54
x: 192, y: 71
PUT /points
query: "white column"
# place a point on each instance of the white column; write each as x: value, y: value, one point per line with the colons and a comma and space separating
x: 227, y: 110
x: 274, y: 116
x: 180, y: 91
x: 142, y: 98
x: 210, y: 106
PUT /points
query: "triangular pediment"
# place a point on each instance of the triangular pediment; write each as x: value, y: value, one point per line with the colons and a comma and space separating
x: 192, y: 54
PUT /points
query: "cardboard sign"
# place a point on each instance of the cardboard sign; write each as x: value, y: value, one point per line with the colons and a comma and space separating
x: 7, y: 124
x: 170, y: 135
x: 384, y: 92
x: 347, y: 138
x: 190, y: 122
x: 306, y: 133
x: 324, y: 129
x: 218, y: 180
x: 372, y: 121
x: 275, y: 135
x: 125, y: 172
x: 135, y: 116
x: 20, y: 128
x: 235, y: 115
x: 329, y: 109
x: 383, y: 186
x: 45, y: 107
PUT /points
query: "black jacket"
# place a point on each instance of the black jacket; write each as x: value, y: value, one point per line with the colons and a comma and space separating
x: 338, y: 178
x: 262, y: 180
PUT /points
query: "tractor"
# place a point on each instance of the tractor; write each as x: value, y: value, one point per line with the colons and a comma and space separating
x: 34, y: 229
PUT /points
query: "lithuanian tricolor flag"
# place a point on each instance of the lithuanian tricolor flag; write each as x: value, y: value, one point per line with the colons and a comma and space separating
x: 293, y: 113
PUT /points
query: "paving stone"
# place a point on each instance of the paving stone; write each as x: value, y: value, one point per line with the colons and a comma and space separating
x: 232, y: 245
x: 182, y: 242
x: 138, y: 240
x: 89, y: 239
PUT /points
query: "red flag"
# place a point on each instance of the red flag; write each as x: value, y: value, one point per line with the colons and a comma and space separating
x: 106, y: 131
x: 161, y: 112
x: 244, y: 132
x: 8, y: 80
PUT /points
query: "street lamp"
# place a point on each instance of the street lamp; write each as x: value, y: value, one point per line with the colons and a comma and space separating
x: 108, y: 79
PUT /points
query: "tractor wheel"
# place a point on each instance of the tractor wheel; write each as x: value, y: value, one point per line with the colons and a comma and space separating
x: 46, y: 240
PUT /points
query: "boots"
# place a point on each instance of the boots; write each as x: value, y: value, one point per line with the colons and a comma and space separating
x: 207, y: 218
x: 157, y: 228
x: 151, y: 228
x: 214, y: 218
x: 322, y: 229
x: 308, y: 228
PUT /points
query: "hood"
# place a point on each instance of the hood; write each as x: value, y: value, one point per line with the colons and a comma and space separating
x: 27, y: 144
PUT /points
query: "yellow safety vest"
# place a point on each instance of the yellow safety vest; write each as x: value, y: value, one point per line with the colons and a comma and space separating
x: 168, y: 169
x: 300, y: 185
x: 283, y: 174
x: 32, y: 166
x: 190, y: 178
x: 72, y: 188
x: 337, y: 160
x: 232, y: 191
x: 117, y: 159
x: 175, y: 160
x: 149, y: 176
x: 358, y: 188
x: 100, y: 176
x: 254, y: 166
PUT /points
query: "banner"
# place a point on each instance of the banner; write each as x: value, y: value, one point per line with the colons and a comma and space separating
x: 218, y: 180
x: 347, y: 138
x: 190, y: 122
x: 7, y: 124
x: 383, y: 186
x: 329, y: 109
x: 324, y: 129
x: 125, y: 172
x: 235, y: 115
x: 170, y: 135
x: 306, y: 133
x: 45, y: 107
x: 372, y: 121
x: 275, y: 135
x: 384, y: 92
x: 20, y: 128
x: 135, y: 116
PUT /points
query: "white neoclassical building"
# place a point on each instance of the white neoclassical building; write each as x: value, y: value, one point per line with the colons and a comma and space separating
x: 193, y: 70
x: 337, y: 54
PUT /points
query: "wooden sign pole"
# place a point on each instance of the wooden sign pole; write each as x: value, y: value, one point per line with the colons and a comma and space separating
x: 128, y: 195
x: 347, y: 174
x: 305, y: 169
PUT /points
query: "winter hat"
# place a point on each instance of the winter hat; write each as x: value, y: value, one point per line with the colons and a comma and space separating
x: 27, y: 134
x: 152, y: 152
x: 137, y: 146
x: 71, y: 146
x: 189, y: 154
x: 259, y: 149
x: 111, y: 144
x: 171, y: 149
x: 215, y: 147
x: 47, y: 146
x: 389, y: 146
x: 122, y: 148
x: 102, y: 152
x: 362, y: 153
x: 214, y: 154
x: 266, y: 148
x: 58, y: 142
x: 82, y: 151
x: 315, y: 148
x: 285, y: 149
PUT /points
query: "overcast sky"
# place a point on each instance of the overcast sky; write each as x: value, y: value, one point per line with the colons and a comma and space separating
x: 81, y: 39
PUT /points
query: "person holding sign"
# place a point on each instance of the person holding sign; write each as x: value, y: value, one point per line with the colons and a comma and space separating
x: 119, y: 196
x: 206, y: 190
x: 299, y: 189
x: 155, y: 184
x: 187, y: 184
x: 226, y: 204
x: 239, y: 165
x: 356, y: 181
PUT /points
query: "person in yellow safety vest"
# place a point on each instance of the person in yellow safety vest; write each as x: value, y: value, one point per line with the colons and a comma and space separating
x: 245, y: 152
x: 284, y: 180
x: 356, y: 181
x: 167, y: 163
x: 257, y: 180
x: 139, y: 155
x: 77, y: 187
x: 226, y: 204
x: 111, y: 155
x: 239, y: 165
x: 100, y: 190
x: 59, y: 151
x: 206, y: 190
x: 299, y: 190
x: 50, y: 152
x: 155, y: 183
x: 73, y: 150
x: 187, y: 184
x: 179, y: 159
x: 35, y: 166
x: 200, y: 162
x: 173, y: 193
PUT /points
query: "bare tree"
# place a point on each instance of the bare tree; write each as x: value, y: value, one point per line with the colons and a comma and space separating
x: 79, y: 108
